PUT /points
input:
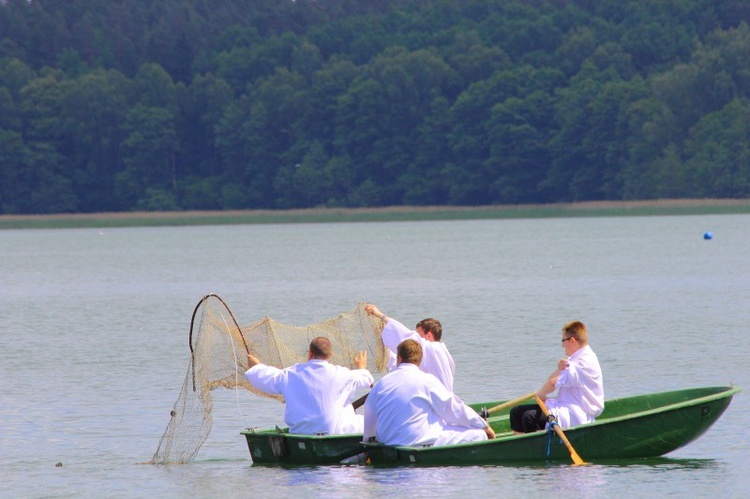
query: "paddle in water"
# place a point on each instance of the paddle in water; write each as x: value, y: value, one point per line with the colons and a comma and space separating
x: 573, y: 454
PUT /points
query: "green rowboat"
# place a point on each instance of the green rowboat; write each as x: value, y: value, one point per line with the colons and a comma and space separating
x: 631, y: 427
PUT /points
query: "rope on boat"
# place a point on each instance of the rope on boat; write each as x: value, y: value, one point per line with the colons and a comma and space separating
x: 550, y: 431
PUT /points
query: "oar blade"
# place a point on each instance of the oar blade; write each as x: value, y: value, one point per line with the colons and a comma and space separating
x: 573, y: 454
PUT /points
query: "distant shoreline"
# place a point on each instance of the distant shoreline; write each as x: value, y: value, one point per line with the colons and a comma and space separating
x: 385, y: 214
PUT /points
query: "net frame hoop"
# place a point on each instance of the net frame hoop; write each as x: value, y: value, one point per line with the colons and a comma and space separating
x: 192, y: 324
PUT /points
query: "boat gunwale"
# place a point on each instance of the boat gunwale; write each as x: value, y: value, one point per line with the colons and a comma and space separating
x: 298, y: 436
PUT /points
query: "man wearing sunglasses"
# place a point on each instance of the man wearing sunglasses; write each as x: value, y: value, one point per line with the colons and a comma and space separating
x: 579, y: 384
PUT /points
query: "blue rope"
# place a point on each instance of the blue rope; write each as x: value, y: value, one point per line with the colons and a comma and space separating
x: 550, y: 430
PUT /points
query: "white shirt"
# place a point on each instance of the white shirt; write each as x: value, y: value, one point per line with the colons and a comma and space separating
x: 410, y: 407
x: 318, y: 395
x: 436, y: 359
x: 392, y: 362
x: 580, y: 390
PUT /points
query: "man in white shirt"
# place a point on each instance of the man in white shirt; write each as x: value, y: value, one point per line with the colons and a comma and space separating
x: 318, y: 394
x: 411, y: 407
x: 579, y: 384
x: 436, y: 358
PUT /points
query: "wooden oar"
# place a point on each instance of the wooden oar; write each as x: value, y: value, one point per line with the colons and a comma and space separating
x: 505, y: 405
x: 573, y: 454
x: 360, y: 401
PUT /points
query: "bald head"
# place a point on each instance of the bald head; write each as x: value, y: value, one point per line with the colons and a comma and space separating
x: 320, y: 348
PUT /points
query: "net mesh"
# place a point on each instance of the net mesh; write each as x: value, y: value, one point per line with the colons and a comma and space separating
x: 219, y: 348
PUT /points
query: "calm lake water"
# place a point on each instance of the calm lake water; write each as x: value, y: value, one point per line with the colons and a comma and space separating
x: 93, y: 343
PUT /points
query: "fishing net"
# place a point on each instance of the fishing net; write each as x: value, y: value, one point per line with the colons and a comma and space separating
x: 218, y: 359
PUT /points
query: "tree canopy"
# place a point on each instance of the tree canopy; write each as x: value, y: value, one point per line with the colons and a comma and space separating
x: 119, y: 105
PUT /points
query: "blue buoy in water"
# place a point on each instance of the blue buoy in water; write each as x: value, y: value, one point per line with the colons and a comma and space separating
x: 707, y: 236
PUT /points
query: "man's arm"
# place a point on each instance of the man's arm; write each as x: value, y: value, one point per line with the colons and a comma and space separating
x: 373, y: 310
x: 265, y: 378
x: 548, y: 386
x: 393, y: 331
x: 490, y: 432
x: 363, y: 378
x: 450, y: 408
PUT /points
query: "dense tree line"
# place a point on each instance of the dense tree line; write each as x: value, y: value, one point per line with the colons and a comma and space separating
x: 116, y: 105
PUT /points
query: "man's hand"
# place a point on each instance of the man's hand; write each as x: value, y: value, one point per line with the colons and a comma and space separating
x: 252, y: 360
x: 373, y: 310
x: 490, y: 432
x: 360, y: 360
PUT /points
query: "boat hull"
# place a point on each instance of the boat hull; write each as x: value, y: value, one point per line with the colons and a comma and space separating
x: 279, y: 447
x: 632, y: 427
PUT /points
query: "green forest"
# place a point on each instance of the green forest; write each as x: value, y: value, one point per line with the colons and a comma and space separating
x: 125, y: 105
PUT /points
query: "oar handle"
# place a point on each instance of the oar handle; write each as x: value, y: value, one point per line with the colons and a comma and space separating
x: 509, y: 403
x: 360, y: 401
x: 573, y: 454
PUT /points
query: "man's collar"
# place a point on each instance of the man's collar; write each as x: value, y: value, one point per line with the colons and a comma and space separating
x: 578, y: 352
